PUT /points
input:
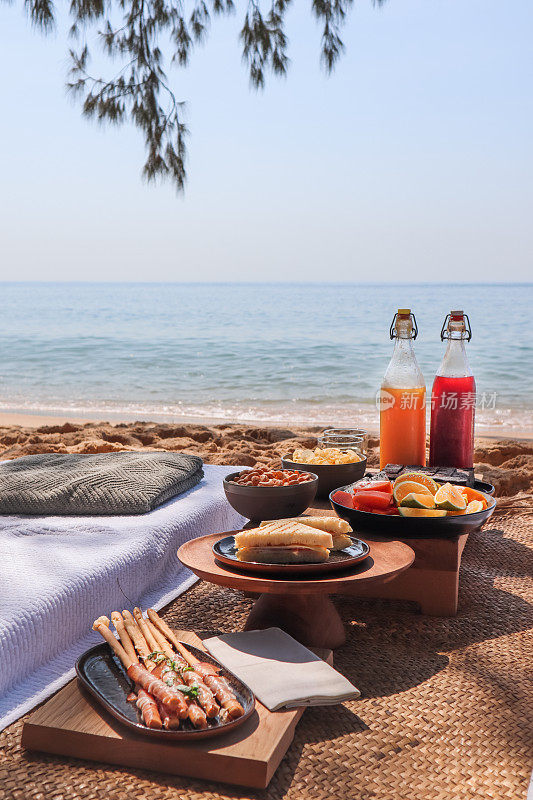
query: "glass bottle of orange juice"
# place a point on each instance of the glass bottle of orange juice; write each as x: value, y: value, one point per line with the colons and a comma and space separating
x: 402, y: 418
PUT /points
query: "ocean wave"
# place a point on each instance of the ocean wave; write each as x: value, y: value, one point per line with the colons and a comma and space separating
x: 507, y: 420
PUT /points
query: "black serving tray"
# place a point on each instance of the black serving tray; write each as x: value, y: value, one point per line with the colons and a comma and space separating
x: 397, y: 527
x: 102, y: 674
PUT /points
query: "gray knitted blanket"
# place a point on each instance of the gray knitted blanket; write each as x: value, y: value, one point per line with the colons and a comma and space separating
x: 108, y: 483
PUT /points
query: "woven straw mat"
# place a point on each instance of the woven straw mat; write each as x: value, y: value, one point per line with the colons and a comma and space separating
x: 443, y: 713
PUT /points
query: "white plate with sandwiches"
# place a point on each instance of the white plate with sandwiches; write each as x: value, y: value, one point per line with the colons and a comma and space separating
x: 300, y: 545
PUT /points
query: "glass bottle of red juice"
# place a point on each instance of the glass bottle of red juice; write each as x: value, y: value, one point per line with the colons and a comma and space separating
x: 453, y: 400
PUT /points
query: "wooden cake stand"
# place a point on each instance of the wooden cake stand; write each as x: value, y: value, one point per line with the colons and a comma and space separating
x: 301, y: 606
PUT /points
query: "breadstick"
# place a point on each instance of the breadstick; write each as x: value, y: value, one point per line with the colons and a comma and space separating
x: 138, y: 640
x: 127, y: 644
x: 113, y: 643
x: 141, y: 622
x: 159, y: 623
x: 162, y: 643
x: 101, y: 621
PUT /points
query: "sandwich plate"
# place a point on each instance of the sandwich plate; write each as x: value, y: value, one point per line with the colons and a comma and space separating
x: 226, y: 552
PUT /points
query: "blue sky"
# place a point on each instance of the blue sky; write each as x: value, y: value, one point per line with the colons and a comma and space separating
x: 412, y: 162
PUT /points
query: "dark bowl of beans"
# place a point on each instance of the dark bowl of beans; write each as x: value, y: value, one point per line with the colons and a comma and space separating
x: 260, y: 494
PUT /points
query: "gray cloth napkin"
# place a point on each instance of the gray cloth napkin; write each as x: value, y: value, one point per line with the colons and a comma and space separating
x: 280, y: 671
x: 128, y: 482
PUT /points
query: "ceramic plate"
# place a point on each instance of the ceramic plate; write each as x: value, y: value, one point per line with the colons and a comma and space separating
x: 397, y: 527
x: 225, y: 551
x: 102, y: 674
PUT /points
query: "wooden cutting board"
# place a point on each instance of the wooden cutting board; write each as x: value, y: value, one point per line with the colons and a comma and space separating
x: 72, y: 723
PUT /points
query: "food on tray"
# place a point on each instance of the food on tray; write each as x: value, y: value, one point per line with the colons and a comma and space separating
x: 410, y: 487
x: 171, y: 684
x: 421, y: 512
x: 422, y: 500
x: 413, y: 494
x: 450, y: 498
x: 265, y: 476
x: 283, y: 542
x: 419, y: 478
x: 325, y: 456
x: 338, y: 528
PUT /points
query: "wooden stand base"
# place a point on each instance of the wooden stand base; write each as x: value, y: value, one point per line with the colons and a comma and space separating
x: 432, y: 580
x: 312, y: 619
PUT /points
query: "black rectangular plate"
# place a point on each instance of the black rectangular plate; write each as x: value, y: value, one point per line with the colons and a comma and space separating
x: 102, y: 674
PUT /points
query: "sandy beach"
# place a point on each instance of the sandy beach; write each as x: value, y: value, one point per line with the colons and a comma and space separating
x: 508, y: 463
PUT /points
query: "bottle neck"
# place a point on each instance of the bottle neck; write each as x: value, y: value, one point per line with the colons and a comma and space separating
x: 403, y: 370
x: 403, y: 347
x: 455, y: 362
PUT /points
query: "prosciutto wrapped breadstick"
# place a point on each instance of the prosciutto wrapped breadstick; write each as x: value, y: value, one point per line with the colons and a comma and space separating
x: 187, y: 674
x: 170, y: 671
x: 171, y: 721
x: 224, y: 695
x: 147, y: 705
x: 207, y: 672
x: 168, y: 675
x: 149, y: 710
x: 171, y: 699
x: 171, y: 686
x: 206, y: 697
x: 159, y: 623
x: 218, y: 685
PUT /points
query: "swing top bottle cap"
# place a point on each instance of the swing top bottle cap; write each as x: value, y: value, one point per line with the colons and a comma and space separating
x: 456, y: 325
x: 403, y: 325
x: 457, y: 321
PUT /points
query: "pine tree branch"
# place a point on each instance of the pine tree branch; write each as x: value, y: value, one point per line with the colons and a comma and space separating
x: 140, y: 92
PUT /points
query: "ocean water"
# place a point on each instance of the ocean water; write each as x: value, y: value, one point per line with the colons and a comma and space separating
x: 300, y: 353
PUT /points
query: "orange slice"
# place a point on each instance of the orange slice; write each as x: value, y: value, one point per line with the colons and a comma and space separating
x: 409, y: 487
x: 413, y: 500
x: 450, y: 498
x: 417, y: 477
x: 473, y: 494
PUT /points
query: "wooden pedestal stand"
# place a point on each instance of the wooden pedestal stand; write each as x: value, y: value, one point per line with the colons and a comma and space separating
x: 300, y: 605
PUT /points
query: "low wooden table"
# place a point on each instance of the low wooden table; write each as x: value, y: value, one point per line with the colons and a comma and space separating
x: 432, y: 580
x: 301, y: 606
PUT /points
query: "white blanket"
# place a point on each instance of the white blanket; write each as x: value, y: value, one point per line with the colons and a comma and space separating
x: 57, y: 574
